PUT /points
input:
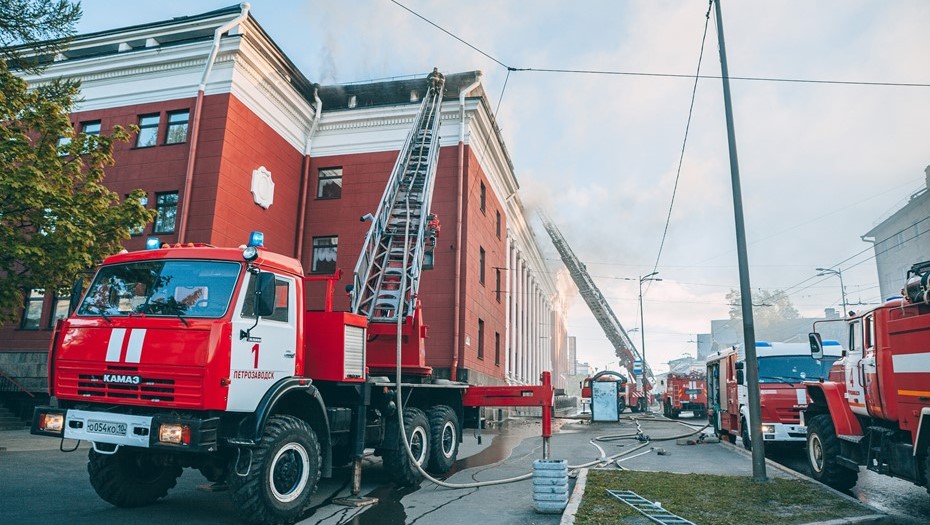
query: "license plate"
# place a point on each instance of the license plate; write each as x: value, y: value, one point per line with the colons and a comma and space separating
x: 104, y: 427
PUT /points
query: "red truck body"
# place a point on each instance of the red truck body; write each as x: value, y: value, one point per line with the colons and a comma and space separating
x: 685, y: 392
x: 874, y: 409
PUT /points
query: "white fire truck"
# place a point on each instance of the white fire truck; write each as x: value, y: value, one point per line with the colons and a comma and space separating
x: 874, y: 408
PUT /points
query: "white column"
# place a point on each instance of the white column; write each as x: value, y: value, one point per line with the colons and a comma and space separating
x: 508, y: 318
x: 524, y: 346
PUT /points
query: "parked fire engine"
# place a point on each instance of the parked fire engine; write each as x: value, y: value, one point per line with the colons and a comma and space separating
x: 874, y: 409
x: 685, y: 392
x: 629, y: 393
x: 204, y: 357
x: 783, y: 368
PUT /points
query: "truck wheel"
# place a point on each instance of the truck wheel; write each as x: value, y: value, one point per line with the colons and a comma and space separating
x: 444, y: 438
x: 666, y: 411
x: 131, y: 478
x: 396, y: 462
x: 674, y: 413
x: 621, y: 405
x: 643, y: 405
x: 283, y: 472
x: 823, y: 449
x: 927, y: 470
x: 744, y: 433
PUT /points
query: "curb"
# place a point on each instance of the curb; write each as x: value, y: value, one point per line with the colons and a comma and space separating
x: 568, y: 517
x: 877, y: 516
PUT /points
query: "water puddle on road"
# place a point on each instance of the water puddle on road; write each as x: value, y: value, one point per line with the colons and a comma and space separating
x: 389, y: 508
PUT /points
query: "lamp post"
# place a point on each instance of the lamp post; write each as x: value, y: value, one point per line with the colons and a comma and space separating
x: 642, y: 325
x: 838, y: 273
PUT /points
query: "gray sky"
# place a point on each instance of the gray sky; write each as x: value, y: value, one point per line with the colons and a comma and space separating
x: 820, y: 164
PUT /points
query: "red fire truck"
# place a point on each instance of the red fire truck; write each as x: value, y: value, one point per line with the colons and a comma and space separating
x: 203, y: 357
x: 874, y: 409
x: 783, y: 368
x: 684, y: 392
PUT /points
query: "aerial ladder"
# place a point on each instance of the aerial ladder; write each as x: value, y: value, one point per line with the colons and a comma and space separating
x: 623, y: 345
x: 400, y: 242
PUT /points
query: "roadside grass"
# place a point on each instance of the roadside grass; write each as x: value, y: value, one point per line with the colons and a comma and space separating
x: 711, y: 499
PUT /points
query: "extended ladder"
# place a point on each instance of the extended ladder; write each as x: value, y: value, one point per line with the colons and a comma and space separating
x: 402, y: 215
x: 601, y: 310
x: 647, y: 508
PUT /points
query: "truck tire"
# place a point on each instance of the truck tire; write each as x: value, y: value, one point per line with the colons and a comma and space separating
x: 130, y: 478
x: 744, y: 434
x: 674, y: 413
x: 282, y: 475
x: 927, y: 470
x: 621, y: 405
x: 643, y: 404
x: 397, y: 463
x: 823, y: 449
x: 666, y: 410
x: 444, y: 438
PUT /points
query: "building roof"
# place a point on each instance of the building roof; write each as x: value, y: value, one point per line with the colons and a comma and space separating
x: 919, y: 200
x: 389, y: 92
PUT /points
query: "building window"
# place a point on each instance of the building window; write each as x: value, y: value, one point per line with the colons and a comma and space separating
x: 324, y: 254
x: 483, y: 197
x: 480, y: 339
x: 497, y: 284
x: 144, y: 201
x: 148, y: 131
x: 330, y: 183
x: 32, y: 310
x: 60, y: 307
x: 90, y: 128
x: 497, y: 348
x: 166, y: 208
x: 481, y: 266
x: 497, y: 227
x: 177, y: 127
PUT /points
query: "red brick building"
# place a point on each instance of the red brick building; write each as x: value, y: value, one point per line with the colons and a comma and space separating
x: 234, y: 138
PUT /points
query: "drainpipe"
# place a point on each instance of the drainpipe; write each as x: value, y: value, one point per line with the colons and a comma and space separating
x: 460, y: 181
x: 306, y: 175
x: 195, y: 117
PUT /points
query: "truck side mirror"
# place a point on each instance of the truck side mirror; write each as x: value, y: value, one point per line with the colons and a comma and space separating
x: 816, y: 345
x: 739, y: 365
x: 740, y: 378
x: 264, y: 294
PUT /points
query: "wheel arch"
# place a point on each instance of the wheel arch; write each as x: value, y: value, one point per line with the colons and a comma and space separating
x: 828, y: 398
x: 922, y: 441
x: 298, y: 398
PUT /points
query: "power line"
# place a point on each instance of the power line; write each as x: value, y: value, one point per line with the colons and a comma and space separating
x: 657, y: 75
x: 684, y: 142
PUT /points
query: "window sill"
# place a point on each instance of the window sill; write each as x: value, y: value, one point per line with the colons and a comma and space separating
x: 329, y: 198
x: 143, y: 147
x: 174, y: 143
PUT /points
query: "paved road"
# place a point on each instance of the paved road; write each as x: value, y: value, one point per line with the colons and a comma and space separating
x: 42, y: 485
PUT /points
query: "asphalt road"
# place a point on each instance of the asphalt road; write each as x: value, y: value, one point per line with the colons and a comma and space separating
x: 41, y: 485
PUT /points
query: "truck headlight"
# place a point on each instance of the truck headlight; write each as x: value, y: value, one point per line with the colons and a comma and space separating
x: 174, y: 433
x: 51, y: 422
x: 768, y: 429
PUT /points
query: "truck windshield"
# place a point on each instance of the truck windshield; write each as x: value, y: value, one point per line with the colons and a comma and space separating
x: 793, y: 369
x: 176, y: 288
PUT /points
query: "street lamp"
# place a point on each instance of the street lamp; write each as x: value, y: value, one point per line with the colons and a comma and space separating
x: 642, y: 325
x: 838, y: 273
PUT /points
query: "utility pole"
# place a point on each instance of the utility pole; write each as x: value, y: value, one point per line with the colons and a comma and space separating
x: 749, y: 332
x: 838, y: 273
x: 642, y: 329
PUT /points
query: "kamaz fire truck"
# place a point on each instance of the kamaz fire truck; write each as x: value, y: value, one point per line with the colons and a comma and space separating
x: 204, y: 357
x: 685, y: 392
x: 874, y: 408
x: 783, y: 368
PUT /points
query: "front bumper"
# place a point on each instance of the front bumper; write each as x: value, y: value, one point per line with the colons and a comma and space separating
x: 783, y: 432
x: 129, y: 430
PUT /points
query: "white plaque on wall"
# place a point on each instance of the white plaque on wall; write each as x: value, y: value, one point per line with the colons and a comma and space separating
x: 262, y: 187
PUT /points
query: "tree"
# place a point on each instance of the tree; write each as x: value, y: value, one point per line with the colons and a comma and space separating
x: 57, y: 219
x: 768, y: 307
x: 33, y: 31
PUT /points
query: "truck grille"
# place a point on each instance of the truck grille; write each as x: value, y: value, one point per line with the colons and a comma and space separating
x: 789, y: 415
x: 163, y: 387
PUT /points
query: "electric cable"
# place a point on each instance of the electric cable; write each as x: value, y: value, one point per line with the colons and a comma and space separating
x: 684, y: 142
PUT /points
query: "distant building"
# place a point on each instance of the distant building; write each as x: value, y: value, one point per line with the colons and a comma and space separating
x: 729, y: 332
x: 582, y: 369
x: 704, y: 346
x: 900, y: 241
x: 572, y: 356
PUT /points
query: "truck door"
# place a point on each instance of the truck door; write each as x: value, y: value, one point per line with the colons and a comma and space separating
x: 268, y: 355
x: 873, y: 399
x: 855, y: 393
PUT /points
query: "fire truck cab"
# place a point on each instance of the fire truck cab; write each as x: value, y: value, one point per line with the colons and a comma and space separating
x: 783, y: 368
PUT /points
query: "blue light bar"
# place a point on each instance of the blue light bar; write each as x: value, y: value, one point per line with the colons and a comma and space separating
x: 152, y: 243
x: 256, y: 239
x: 763, y: 343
